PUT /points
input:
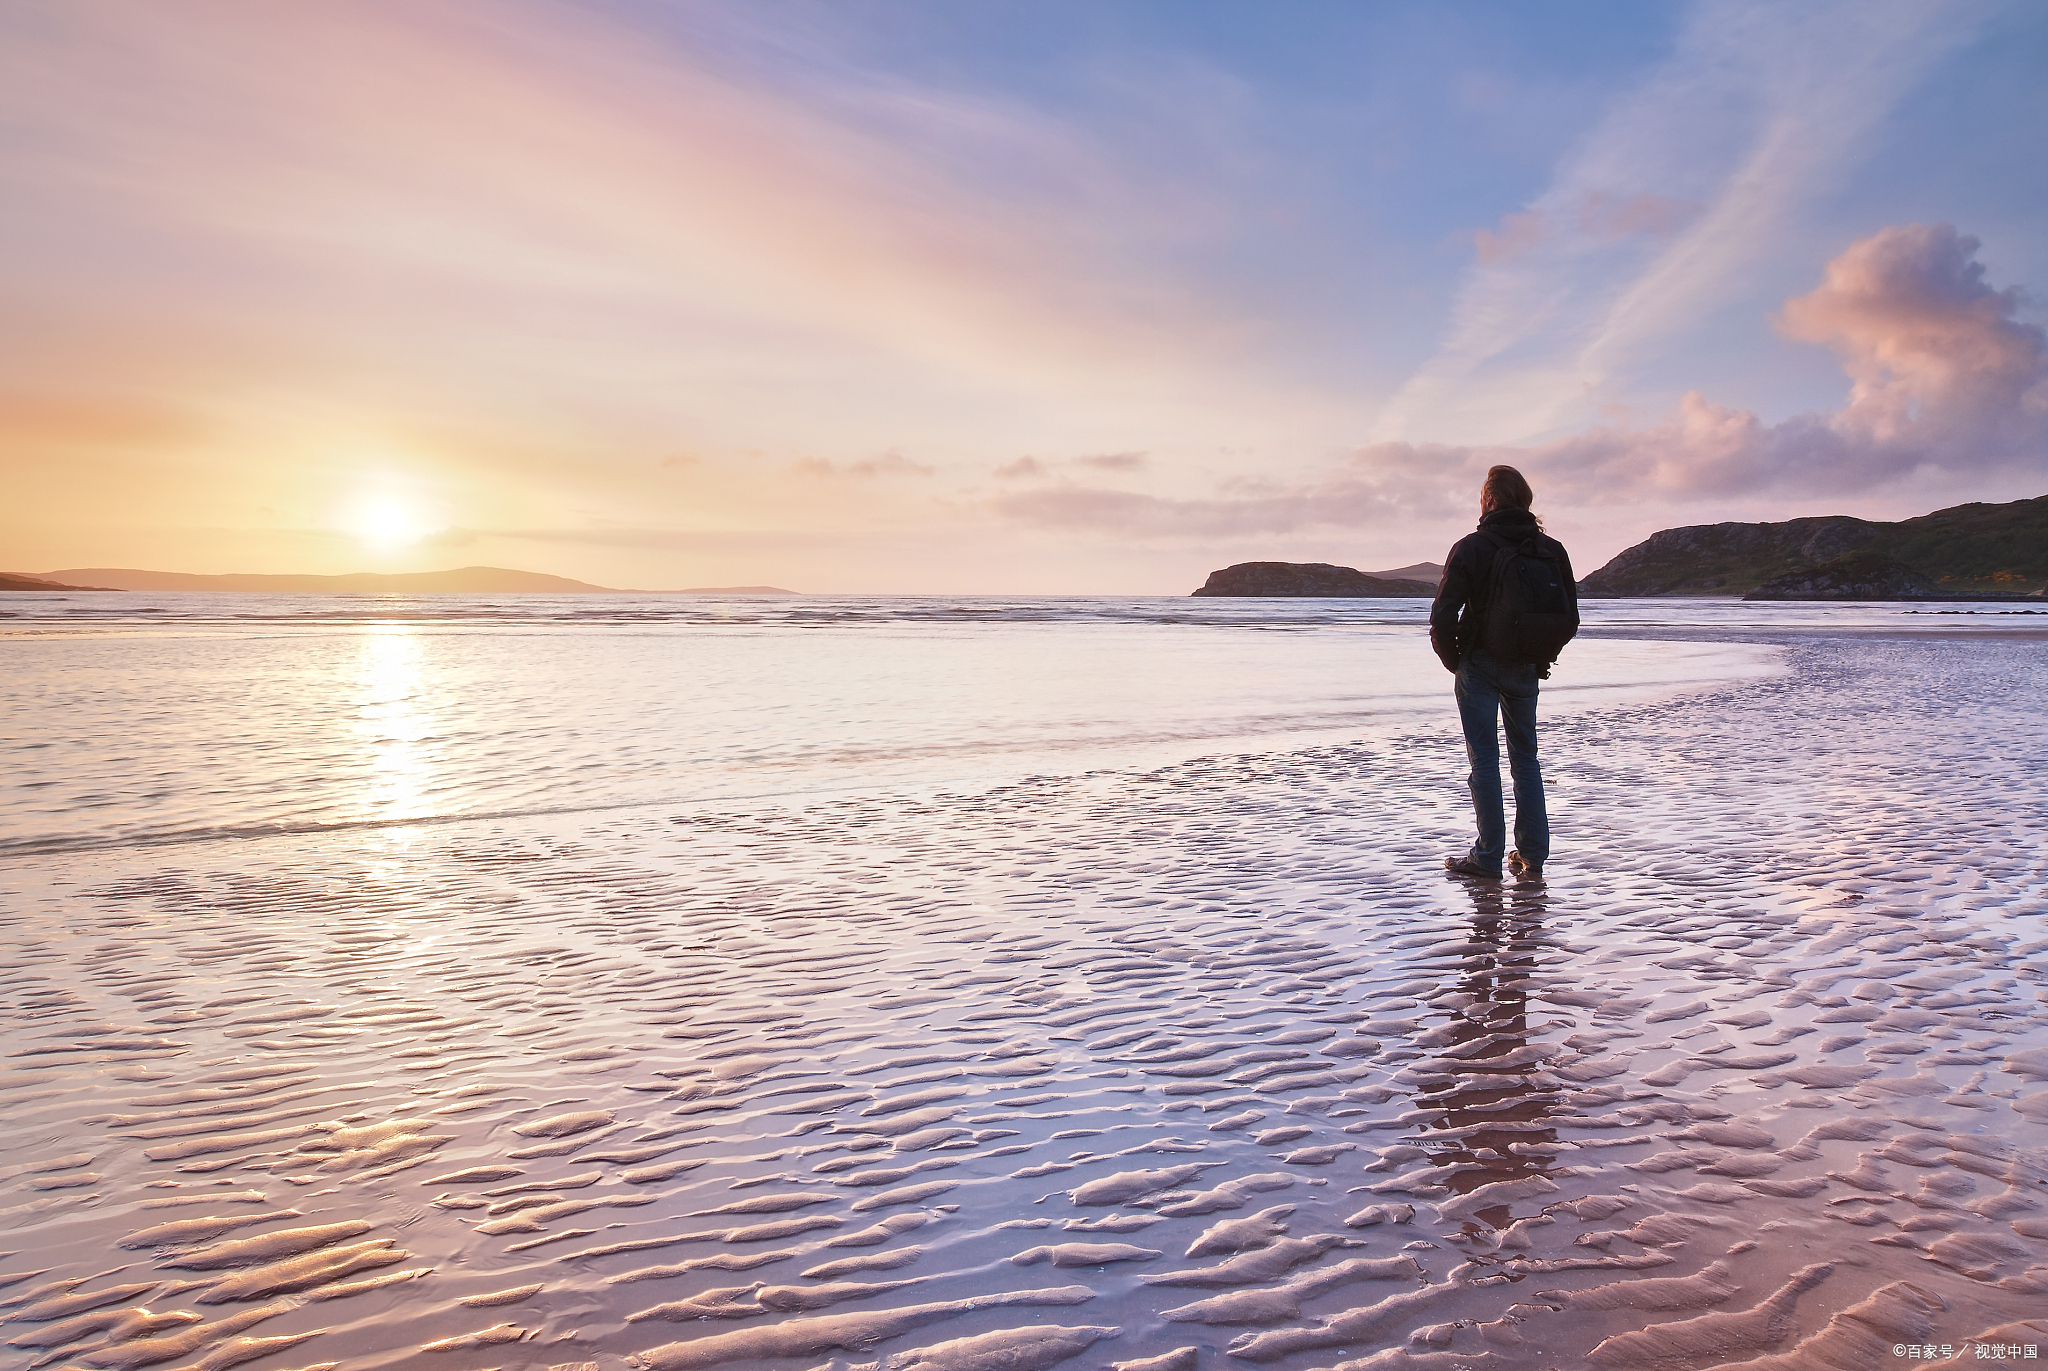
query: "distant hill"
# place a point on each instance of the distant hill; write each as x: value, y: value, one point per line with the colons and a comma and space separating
x: 1966, y: 551
x: 473, y: 580
x: 1431, y: 572
x: 14, y: 581
x: 1308, y: 579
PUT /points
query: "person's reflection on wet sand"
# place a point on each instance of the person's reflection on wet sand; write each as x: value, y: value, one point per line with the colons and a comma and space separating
x: 1480, y: 1103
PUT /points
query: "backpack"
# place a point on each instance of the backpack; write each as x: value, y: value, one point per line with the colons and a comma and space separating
x: 1531, y: 613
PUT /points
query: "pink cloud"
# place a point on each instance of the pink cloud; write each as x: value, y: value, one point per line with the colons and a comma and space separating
x: 1032, y: 468
x: 1934, y: 353
x: 1517, y: 234
x: 1660, y: 216
x: 1596, y: 214
x: 1114, y: 461
x: 891, y: 463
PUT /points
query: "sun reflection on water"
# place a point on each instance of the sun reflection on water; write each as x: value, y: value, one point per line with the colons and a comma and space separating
x: 392, y: 724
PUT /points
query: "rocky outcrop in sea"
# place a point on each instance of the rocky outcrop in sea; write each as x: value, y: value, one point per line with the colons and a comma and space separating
x: 1308, y: 579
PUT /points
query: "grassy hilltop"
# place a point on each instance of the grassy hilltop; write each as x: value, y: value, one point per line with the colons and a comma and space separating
x: 1967, y: 550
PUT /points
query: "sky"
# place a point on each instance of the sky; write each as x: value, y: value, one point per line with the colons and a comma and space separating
x: 1001, y: 296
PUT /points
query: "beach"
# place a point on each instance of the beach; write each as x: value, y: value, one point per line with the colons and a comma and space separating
x: 469, y: 1029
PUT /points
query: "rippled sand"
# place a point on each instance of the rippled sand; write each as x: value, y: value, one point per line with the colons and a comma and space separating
x: 1199, y: 1068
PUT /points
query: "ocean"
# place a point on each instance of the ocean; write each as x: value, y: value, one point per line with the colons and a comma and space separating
x: 141, y: 717
x: 744, y: 985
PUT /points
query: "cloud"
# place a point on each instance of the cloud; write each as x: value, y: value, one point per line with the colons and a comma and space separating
x: 1597, y: 215
x: 890, y: 463
x: 1379, y: 488
x: 710, y: 229
x: 1114, y: 461
x: 1517, y: 234
x: 1609, y: 216
x: 1937, y: 358
x: 639, y: 537
x: 1944, y: 378
x: 43, y: 425
x: 1031, y: 468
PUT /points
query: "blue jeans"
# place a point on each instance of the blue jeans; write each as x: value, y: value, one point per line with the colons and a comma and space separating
x: 1490, y: 691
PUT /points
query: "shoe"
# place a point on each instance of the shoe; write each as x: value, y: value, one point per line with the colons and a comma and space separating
x: 1465, y: 866
x: 1524, y: 868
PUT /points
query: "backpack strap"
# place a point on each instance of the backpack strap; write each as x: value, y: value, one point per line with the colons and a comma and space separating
x: 1530, y: 546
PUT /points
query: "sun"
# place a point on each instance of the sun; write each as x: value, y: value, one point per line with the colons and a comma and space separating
x: 386, y: 522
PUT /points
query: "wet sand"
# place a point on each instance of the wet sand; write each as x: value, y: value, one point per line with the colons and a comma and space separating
x: 1204, y: 1067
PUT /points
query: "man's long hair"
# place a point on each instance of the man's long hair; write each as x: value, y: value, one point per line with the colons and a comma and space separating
x: 1506, y: 488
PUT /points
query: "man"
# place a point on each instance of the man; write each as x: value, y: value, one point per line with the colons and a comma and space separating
x: 1498, y: 658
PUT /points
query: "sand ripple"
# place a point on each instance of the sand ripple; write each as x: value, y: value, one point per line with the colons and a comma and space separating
x: 1202, y: 1067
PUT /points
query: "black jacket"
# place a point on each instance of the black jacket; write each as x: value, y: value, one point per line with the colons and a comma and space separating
x: 1458, y: 616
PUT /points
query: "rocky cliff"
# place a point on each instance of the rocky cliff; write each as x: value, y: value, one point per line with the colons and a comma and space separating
x: 1968, y: 551
x: 1858, y: 576
x: 1317, y: 579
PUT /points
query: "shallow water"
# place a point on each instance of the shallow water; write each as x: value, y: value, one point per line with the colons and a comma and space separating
x: 222, y: 609
x: 449, y: 706
x: 1751, y: 1080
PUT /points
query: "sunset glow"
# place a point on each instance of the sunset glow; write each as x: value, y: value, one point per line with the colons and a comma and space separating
x: 386, y: 522
x: 909, y: 296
